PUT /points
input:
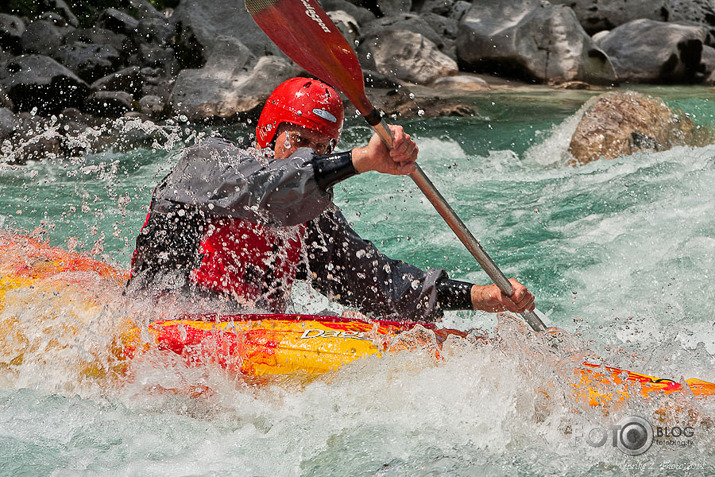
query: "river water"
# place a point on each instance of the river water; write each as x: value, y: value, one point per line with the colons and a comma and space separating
x: 620, y: 255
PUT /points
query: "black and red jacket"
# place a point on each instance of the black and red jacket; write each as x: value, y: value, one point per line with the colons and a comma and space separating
x: 230, y: 222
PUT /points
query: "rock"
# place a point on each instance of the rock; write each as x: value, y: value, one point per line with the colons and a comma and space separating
x: 8, y: 123
x: 708, y: 63
x: 11, y: 31
x: 440, y: 7
x: 406, y: 21
x: 692, y: 11
x: 231, y: 82
x: 155, y: 30
x: 37, y: 81
x: 117, y: 21
x: 129, y: 80
x: 144, y: 9
x: 595, y: 15
x: 56, y: 19
x: 61, y: 7
x: 646, y: 51
x: 89, y: 61
x: 347, y: 25
x: 100, y: 36
x: 619, y: 124
x: 152, y: 106
x: 41, y: 37
x: 447, y: 29
x: 361, y: 15
x: 394, y: 7
x: 161, y: 57
x: 462, y: 82
x: 530, y: 40
x: 209, y: 21
x: 109, y: 104
x: 408, y: 56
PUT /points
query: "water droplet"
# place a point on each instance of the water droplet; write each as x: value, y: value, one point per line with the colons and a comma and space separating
x: 421, y: 112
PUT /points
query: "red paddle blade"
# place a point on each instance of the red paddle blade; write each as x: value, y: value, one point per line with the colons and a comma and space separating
x: 304, y: 32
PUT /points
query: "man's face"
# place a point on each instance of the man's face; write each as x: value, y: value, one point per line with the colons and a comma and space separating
x: 290, y: 138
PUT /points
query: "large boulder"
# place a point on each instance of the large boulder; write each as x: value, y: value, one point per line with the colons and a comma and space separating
x: 596, y: 16
x: 647, y: 51
x: 530, y: 39
x: 232, y: 82
x: 41, y: 37
x: 406, y: 21
x: 37, y: 81
x: 408, y: 56
x: 619, y: 124
x: 88, y: 60
x: 207, y: 22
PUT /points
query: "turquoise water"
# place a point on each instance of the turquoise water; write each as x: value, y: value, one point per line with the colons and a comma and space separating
x: 620, y: 255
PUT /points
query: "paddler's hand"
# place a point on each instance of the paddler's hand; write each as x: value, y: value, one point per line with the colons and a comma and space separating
x: 491, y: 299
x: 400, y: 160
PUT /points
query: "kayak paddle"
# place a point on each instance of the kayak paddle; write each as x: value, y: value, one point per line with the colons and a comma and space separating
x: 305, y: 33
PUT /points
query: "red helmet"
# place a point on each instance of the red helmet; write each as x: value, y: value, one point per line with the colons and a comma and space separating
x: 304, y: 102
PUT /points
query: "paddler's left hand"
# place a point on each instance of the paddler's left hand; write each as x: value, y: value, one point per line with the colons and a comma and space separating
x: 400, y: 160
x: 491, y: 299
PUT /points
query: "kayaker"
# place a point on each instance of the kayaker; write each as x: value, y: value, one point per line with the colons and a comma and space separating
x: 241, y: 224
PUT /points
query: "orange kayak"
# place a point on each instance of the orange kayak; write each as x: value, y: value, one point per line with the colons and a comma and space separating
x: 252, y: 345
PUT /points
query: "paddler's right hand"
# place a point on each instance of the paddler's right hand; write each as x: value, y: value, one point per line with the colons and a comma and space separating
x: 491, y: 299
x: 400, y: 160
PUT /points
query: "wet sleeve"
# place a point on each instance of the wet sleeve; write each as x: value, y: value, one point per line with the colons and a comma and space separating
x: 220, y: 179
x: 352, y: 271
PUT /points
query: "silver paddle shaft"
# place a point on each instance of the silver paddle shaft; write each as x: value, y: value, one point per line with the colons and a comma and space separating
x: 461, y: 230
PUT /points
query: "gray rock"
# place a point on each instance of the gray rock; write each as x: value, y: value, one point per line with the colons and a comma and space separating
x: 161, y: 57
x: 347, y: 25
x: 56, y: 19
x: 531, y: 40
x: 99, y: 36
x: 596, y: 15
x: 440, y: 7
x: 8, y: 123
x: 61, y: 7
x: 151, y: 105
x: 362, y: 15
x: 209, y: 21
x: 11, y: 31
x: 408, y: 56
x: 37, y: 81
x: 89, y: 61
x: 647, y: 51
x: 144, y: 9
x: 41, y: 37
x: 232, y: 82
x: 708, y: 63
x: 692, y: 11
x: 462, y: 82
x: 117, y: 21
x: 109, y: 104
x: 129, y: 80
x: 155, y: 30
x: 406, y: 21
x: 394, y: 7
